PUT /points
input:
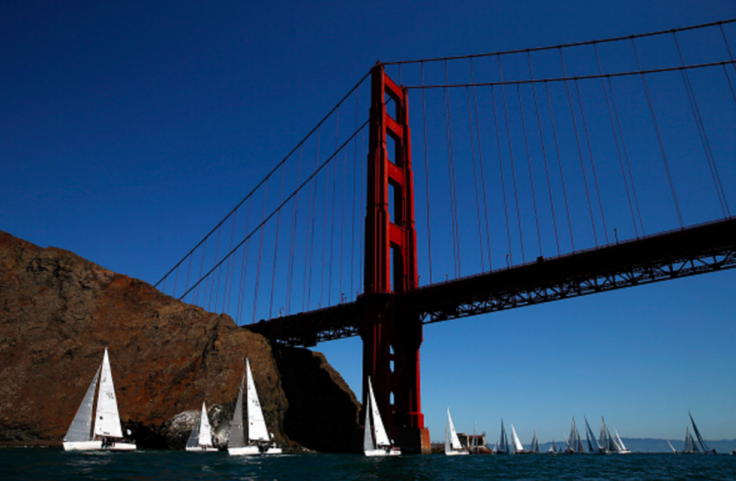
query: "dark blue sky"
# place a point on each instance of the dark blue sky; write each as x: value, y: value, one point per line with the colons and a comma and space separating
x: 130, y: 128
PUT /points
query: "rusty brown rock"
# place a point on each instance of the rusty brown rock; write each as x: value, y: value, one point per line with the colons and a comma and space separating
x: 59, y: 311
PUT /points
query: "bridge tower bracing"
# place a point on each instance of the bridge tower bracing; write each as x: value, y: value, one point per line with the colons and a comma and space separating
x: 391, y: 341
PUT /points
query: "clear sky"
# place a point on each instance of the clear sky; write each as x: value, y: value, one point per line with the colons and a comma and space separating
x: 130, y: 128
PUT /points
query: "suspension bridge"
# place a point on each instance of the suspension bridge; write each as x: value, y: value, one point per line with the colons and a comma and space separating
x: 517, y: 178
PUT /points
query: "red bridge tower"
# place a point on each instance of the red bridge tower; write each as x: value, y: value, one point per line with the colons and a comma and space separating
x: 391, y: 341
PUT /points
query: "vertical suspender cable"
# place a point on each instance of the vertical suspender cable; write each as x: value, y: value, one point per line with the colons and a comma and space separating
x: 276, y: 246
x: 592, y: 161
x: 342, y: 218
x: 511, y: 158
x: 451, y: 172
x: 230, y: 270
x: 580, y: 150
x: 703, y: 134
x: 626, y: 156
x: 475, y: 181
x: 310, y: 240
x: 559, y: 164
x: 244, y: 266
x: 529, y: 163
x: 292, y: 244
x: 260, y: 252
x: 354, y: 217
x: 482, y: 174
x: 659, y: 137
x: 544, y: 151
x: 332, y: 219
x: 426, y: 177
x: 615, y: 138
x: 201, y: 269
x: 219, y: 273
x: 503, y: 180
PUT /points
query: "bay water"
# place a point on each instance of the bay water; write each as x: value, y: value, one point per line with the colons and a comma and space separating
x: 30, y: 464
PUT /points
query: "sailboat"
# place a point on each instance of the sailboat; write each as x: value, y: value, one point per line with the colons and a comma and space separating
x: 382, y: 446
x: 516, y: 446
x: 593, y: 446
x: 611, y: 443
x: 259, y: 440
x: 552, y: 448
x: 534, y: 448
x: 452, y: 443
x: 575, y: 443
x: 690, y: 446
x: 103, y: 432
x: 502, y: 446
x: 201, y: 437
x: 674, y: 451
x: 701, y: 441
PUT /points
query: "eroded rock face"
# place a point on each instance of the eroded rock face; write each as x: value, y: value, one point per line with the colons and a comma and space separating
x: 57, y: 314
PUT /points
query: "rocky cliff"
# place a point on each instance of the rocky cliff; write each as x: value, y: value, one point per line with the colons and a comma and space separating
x: 57, y: 314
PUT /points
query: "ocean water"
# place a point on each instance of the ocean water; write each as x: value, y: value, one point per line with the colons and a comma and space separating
x: 30, y: 464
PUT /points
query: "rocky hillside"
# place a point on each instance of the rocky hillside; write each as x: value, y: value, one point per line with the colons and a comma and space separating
x: 57, y: 314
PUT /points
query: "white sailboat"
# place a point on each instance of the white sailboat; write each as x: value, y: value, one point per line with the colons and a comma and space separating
x: 452, y: 442
x: 516, y: 446
x: 103, y: 431
x: 201, y: 438
x: 552, y: 448
x: 382, y: 446
x: 259, y: 441
x: 674, y: 451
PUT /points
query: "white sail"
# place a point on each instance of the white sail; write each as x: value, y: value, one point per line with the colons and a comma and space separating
x: 107, y: 421
x: 518, y: 448
x: 237, y: 433
x: 368, y: 434
x: 256, y: 423
x: 671, y: 447
x: 81, y: 427
x: 619, y: 443
x: 454, y: 440
x: 205, y: 431
x: 381, y: 436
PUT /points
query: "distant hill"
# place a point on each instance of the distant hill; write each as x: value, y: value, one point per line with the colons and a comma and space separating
x: 650, y: 445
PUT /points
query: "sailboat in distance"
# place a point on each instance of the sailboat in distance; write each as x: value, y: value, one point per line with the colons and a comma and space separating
x: 502, y: 446
x: 259, y: 440
x: 452, y: 442
x: 516, y: 446
x: 201, y: 438
x: 381, y: 446
x: 101, y: 432
x: 701, y: 441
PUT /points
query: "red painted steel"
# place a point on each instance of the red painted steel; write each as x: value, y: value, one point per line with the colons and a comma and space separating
x: 391, y: 342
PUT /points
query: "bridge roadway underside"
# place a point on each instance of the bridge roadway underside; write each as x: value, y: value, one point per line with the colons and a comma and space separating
x: 695, y: 250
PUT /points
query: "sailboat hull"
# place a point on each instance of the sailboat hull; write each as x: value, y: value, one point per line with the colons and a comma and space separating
x: 97, y: 446
x: 202, y: 449
x: 253, y: 451
x: 371, y: 453
x: 455, y: 453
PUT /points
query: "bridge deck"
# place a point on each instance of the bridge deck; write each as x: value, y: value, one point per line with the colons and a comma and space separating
x: 674, y: 254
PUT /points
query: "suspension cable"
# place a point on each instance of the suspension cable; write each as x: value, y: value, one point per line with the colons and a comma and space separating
x: 544, y: 154
x: 659, y: 139
x: 529, y: 163
x: 475, y: 181
x: 482, y: 173
x: 426, y: 179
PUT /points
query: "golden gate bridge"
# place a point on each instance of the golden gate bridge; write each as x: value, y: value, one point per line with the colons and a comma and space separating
x: 516, y: 178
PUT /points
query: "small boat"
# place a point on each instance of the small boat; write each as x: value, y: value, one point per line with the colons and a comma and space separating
x: 201, y: 438
x: 516, y: 447
x: 452, y: 442
x: 102, y: 432
x: 534, y: 447
x: 553, y: 448
x: 382, y: 446
x: 259, y: 441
